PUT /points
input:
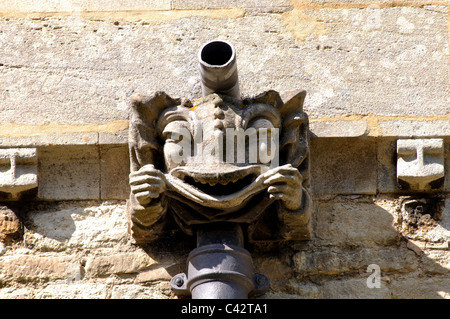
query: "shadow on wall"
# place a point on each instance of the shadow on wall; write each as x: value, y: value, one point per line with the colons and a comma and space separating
x: 361, y: 238
x: 359, y: 241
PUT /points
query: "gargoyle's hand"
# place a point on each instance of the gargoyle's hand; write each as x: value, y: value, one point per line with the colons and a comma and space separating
x: 147, y: 183
x: 285, y: 183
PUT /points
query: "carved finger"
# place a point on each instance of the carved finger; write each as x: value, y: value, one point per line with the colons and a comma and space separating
x: 145, y: 197
x: 291, y: 202
x: 282, y: 189
x: 285, y: 179
x: 137, y: 180
x: 277, y: 196
x: 285, y: 169
x: 148, y: 170
x: 147, y: 187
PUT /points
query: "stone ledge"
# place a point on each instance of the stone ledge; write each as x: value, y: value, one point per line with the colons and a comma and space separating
x: 347, y: 157
x: 116, y: 132
x: 83, y: 5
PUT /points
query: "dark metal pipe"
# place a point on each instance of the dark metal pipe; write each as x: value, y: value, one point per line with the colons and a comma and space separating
x: 220, y: 268
x: 218, y: 69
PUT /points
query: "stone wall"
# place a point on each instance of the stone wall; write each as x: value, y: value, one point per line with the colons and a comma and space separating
x: 374, y: 72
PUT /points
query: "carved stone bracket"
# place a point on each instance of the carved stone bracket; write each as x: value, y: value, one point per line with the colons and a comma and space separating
x: 18, y: 172
x: 227, y: 169
x: 420, y: 163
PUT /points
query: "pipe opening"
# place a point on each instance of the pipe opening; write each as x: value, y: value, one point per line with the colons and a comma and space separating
x: 216, y: 53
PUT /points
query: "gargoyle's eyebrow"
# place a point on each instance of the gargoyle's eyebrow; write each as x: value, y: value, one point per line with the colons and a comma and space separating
x: 265, y: 111
x: 175, y: 113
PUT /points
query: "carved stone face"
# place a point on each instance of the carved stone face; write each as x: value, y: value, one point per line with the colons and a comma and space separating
x: 218, y: 148
x: 219, y: 159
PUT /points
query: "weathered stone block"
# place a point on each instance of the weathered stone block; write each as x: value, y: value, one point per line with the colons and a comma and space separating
x: 357, y: 128
x: 420, y: 163
x: 346, y: 65
x: 18, y: 172
x: 355, y: 288
x: 420, y: 288
x: 76, y: 225
x: 355, y: 223
x: 161, y: 291
x: 327, y: 262
x: 69, y: 172
x: 447, y: 163
x: 115, y: 168
x: 436, y: 262
x: 387, y: 165
x: 156, y: 274
x: 32, y: 268
x: 73, y: 291
x: 366, y: 51
x: 117, y: 138
x: 10, y: 225
x: 332, y: 171
x: 277, y: 6
x: 122, y: 263
x: 277, y: 270
x: 304, y: 290
x: 83, y: 5
x: 414, y: 128
x: 441, y: 232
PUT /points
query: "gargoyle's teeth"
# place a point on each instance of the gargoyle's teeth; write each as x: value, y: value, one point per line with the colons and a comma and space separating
x: 214, y: 185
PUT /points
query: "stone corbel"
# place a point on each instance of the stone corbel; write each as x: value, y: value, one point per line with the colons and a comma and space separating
x: 18, y: 172
x: 420, y: 163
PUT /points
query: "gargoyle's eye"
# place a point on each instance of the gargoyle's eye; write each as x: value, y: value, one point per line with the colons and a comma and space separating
x: 261, y: 123
x: 177, y: 144
x: 266, y: 142
x: 176, y: 131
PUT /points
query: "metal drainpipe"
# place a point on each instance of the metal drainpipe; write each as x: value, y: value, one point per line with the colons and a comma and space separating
x: 220, y: 268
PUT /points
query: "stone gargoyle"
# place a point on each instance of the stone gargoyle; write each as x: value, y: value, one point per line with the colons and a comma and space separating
x: 178, y: 178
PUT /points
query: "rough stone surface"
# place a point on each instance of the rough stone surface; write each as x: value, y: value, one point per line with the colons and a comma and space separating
x: 373, y: 72
x: 330, y: 158
x: 436, y: 262
x: 122, y: 263
x: 306, y: 290
x: 18, y: 171
x: 114, y: 171
x: 35, y: 267
x: 83, y: 250
x: 10, y: 226
x: 357, y: 128
x: 387, y: 166
x: 69, y: 173
x: 83, y: 5
x: 348, y: 223
x: 354, y: 289
x: 86, y: 70
x: 421, y: 288
x: 419, y: 128
x: 331, y: 263
x: 270, y: 6
x: 76, y: 225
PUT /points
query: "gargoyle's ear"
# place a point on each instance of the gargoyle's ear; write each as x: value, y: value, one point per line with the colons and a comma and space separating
x: 142, y: 138
x: 294, y: 139
x: 147, y: 108
x: 269, y: 97
x: 292, y: 101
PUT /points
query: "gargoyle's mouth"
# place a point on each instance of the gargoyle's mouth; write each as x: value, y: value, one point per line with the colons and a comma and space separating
x: 218, y: 180
x: 220, y: 187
